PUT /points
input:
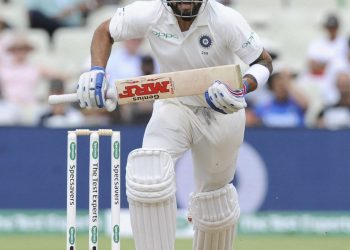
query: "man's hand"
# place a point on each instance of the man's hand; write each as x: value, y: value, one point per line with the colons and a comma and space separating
x: 223, y: 99
x: 93, y: 90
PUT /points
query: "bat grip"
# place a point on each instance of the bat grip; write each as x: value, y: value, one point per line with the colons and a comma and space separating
x: 65, y: 98
x: 68, y: 98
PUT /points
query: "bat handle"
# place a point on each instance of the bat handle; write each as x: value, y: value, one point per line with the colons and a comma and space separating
x: 65, y: 98
x: 68, y: 98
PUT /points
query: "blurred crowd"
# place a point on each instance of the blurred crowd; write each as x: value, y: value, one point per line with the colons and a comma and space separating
x: 315, y: 97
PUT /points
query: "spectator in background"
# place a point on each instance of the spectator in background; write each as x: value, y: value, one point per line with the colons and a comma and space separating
x: 60, y: 115
x: 336, y: 68
x: 318, y: 80
x: 4, y: 26
x: 53, y: 14
x: 337, y: 116
x: 20, y: 78
x: 347, y: 60
x: 348, y: 57
x: 315, y: 82
x: 333, y: 42
x: 9, y: 112
x: 262, y: 95
x: 288, y: 104
x: 125, y: 62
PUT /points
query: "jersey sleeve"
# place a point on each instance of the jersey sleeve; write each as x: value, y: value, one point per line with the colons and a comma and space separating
x: 134, y: 20
x: 245, y: 43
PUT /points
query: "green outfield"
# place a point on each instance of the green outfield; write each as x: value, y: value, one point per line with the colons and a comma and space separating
x: 270, y: 242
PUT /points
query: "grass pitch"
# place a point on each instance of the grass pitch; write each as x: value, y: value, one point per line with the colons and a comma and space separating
x: 265, y: 242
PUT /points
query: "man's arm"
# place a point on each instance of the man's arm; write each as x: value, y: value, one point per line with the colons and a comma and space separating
x: 223, y: 99
x: 265, y: 60
x: 93, y: 88
x: 101, y: 45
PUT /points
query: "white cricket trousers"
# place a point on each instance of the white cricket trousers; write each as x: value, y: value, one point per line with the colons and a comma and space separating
x: 213, y: 138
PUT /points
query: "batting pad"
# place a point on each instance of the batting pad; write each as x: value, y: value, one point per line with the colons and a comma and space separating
x: 150, y: 188
x: 215, y: 215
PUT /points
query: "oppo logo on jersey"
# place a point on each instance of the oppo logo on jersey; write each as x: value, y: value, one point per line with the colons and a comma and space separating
x: 147, y: 90
x: 164, y: 35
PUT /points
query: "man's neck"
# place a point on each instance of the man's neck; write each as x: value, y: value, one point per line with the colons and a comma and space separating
x: 184, y: 25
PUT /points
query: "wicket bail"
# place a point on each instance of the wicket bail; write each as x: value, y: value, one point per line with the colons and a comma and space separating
x: 93, y: 186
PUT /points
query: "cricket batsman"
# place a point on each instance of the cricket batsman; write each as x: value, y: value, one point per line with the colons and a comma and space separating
x: 183, y: 35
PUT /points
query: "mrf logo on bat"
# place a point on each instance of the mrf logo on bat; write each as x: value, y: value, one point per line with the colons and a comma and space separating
x: 146, y: 89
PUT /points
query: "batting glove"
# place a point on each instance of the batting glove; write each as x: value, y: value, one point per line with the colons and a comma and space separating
x: 93, y: 90
x: 223, y: 99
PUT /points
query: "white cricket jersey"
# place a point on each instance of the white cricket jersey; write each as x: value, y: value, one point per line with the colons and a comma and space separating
x: 213, y: 39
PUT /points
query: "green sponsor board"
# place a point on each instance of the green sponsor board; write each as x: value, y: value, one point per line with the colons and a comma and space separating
x: 298, y: 223
x: 49, y: 221
x: 40, y: 221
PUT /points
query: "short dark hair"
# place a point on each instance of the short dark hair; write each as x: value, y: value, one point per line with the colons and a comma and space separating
x: 331, y: 21
x: 147, y: 59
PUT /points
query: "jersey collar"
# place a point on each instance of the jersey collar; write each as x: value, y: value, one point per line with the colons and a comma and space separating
x: 203, y: 18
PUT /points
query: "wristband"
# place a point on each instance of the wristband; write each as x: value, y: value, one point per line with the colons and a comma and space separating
x: 98, y: 86
x: 260, y: 73
x: 246, y: 87
x: 97, y: 68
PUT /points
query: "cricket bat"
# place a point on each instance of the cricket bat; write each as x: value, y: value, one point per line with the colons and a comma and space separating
x: 167, y: 85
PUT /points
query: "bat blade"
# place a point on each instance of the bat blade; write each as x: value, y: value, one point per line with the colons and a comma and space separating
x: 167, y: 85
x: 176, y: 84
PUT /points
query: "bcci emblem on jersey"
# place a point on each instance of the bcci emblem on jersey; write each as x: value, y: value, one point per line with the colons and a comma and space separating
x: 205, y: 41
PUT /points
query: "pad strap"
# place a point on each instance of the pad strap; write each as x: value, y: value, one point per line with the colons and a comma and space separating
x: 215, y: 210
x: 215, y: 215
